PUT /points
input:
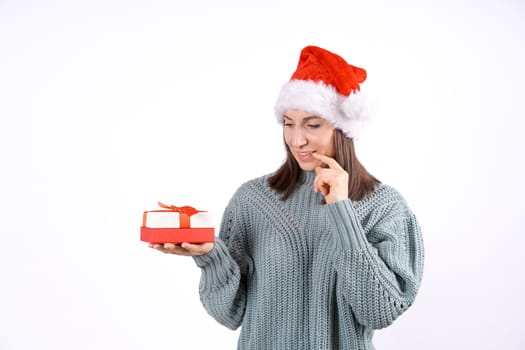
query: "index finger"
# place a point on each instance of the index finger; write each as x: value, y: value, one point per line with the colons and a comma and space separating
x: 331, y: 162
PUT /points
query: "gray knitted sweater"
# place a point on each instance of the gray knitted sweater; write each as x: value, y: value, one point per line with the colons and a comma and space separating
x: 299, y: 274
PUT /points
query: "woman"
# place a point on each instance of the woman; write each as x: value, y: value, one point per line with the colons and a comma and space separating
x: 318, y: 254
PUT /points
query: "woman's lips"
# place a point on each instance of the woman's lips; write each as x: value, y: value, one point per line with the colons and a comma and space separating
x: 304, y: 156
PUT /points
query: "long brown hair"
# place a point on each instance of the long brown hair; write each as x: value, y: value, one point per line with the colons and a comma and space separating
x: 360, y: 182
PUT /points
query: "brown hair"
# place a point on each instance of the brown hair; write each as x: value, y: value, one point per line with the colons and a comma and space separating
x: 360, y: 182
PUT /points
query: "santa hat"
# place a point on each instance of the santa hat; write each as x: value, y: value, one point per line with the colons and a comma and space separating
x: 324, y: 84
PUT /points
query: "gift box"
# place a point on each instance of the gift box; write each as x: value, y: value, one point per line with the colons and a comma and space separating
x: 177, y: 225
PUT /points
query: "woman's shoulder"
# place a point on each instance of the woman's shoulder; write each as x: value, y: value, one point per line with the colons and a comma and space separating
x: 253, y: 186
x: 383, y: 197
x: 383, y: 206
x: 385, y: 193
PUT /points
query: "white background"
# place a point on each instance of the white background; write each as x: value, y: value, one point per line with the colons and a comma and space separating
x: 108, y: 106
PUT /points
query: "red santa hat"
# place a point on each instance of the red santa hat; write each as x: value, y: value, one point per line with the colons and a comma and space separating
x: 324, y: 84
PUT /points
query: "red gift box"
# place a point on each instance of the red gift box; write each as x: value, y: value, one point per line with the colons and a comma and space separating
x: 176, y: 225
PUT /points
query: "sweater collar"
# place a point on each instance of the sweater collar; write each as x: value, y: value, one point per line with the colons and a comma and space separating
x: 308, y: 177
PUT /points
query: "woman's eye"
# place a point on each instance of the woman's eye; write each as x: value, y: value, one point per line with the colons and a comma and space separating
x: 287, y: 125
x: 313, y: 126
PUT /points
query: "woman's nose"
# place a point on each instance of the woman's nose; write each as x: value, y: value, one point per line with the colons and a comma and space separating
x: 298, y: 138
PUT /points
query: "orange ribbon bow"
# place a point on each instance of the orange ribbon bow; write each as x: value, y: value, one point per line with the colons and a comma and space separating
x: 184, y: 213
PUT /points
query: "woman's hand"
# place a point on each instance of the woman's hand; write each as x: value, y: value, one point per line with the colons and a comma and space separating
x: 332, y: 182
x: 186, y: 249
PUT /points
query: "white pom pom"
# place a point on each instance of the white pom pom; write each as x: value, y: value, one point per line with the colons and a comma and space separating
x: 355, y: 107
x: 356, y: 114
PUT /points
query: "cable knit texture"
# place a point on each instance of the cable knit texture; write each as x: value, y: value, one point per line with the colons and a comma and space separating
x: 299, y: 274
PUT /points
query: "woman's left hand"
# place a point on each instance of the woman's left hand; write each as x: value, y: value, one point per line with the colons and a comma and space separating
x: 332, y: 182
x: 185, y: 249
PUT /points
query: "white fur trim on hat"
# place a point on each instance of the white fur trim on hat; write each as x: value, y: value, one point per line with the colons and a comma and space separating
x: 347, y: 113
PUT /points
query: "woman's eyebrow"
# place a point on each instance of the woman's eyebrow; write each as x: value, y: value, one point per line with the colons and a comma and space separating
x: 304, y: 119
x: 311, y: 117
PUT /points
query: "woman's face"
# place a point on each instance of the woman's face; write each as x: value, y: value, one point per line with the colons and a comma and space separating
x: 305, y: 133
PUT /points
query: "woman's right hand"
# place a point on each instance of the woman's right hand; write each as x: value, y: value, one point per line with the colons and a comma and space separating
x: 185, y: 249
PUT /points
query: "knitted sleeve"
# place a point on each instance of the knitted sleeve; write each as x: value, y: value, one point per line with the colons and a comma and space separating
x: 380, y: 262
x: 222, y: 286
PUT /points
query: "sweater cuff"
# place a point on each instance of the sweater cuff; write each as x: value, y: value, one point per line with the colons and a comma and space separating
x: 214, y: 257
x: 218, y: 268
x: 346, y: 225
